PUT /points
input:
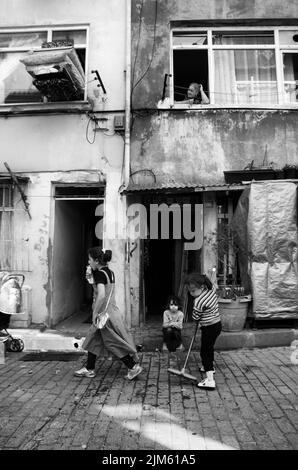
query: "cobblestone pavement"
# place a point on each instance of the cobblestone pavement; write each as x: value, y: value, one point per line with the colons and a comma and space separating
x: 255, y: 405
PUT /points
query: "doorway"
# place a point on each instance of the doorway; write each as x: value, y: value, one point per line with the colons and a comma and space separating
x: 166, y: 263
x: 74, y: 233
x: 167, y: 257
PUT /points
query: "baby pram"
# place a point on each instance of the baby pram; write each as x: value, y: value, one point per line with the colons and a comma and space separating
x: 10, y: 304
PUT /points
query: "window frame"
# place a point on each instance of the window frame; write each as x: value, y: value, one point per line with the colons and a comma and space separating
x: 11, y: 210
x: 279, y: 50
x: 49, y: 30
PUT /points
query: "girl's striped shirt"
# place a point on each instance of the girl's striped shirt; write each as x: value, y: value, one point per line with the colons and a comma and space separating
x: 205, y: 308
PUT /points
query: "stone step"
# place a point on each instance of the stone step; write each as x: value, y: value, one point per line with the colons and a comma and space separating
x: 150, y: 337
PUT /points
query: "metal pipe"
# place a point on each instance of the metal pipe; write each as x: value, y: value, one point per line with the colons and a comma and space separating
x: 127, y: 158
x: 127, y: 94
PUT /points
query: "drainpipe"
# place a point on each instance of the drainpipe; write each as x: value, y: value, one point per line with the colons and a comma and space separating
x: 127, y: 157
x: 127, y: 94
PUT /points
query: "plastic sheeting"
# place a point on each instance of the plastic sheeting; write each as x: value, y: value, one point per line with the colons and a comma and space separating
x: 240, y: 235
x: 272, y: 244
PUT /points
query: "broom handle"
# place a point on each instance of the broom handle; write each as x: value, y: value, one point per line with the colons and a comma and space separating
x: 190, y: 347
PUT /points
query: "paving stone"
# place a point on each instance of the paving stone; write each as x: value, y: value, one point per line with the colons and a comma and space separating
x: 42, y: 406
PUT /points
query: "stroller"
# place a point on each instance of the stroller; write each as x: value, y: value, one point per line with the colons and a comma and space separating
x: 10, y: 303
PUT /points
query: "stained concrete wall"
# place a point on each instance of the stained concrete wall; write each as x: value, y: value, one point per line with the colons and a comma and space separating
x: 210, y: 140
x: 149, y: 89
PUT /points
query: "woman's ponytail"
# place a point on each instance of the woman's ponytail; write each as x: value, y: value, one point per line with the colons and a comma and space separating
x: 99, y: 255
x: 107, y: 256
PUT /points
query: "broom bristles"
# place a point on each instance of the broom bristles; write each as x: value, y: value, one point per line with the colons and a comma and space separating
x: 181, y: 373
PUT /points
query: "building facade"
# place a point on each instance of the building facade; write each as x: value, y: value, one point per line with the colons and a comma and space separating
x: 101, y: 145
x: 245, y: 56
x: 62, y: 116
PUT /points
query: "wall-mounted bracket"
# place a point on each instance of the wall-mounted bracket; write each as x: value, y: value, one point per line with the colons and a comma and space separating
x: 100, y: 81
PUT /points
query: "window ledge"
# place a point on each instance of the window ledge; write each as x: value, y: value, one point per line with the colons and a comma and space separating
x: 63, y: 107
x: 188, y: 107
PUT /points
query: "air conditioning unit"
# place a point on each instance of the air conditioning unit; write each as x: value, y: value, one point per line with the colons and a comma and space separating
x: 119, y: 122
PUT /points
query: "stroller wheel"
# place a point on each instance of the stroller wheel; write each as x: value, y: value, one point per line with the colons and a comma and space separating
x: 15, y: 345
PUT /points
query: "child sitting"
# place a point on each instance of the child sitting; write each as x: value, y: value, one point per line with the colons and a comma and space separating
x: 172, y: 324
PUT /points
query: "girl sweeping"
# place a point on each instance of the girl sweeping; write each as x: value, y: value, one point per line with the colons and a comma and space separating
x: 205, y: 310
x: 113, y: 335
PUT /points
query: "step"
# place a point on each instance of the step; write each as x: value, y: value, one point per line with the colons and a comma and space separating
x: 151, y: 338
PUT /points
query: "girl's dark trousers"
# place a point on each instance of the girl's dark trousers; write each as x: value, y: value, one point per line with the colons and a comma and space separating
x: 172, y: 337
x: 209, y: 335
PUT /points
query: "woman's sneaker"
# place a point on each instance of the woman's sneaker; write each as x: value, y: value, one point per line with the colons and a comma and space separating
x: 207, y: 384
x: 84, y: 373
x: 132, y: 373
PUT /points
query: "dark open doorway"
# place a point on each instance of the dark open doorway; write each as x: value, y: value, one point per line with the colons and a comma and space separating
x: 158, y: 276
x: 74, y: 233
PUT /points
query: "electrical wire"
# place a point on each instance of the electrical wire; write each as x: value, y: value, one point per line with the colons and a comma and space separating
x: 152, y: 50
x: 87, y: 129
x: 138, y: 42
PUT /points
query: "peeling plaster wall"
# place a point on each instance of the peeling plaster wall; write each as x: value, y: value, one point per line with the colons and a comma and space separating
x: 40, y: 235
x: 212, y: 142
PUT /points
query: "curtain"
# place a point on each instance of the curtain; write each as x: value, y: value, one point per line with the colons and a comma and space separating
x: 256, y: 76
x: 245, y: 76
x: 290, y: 80
x: 225, y: 89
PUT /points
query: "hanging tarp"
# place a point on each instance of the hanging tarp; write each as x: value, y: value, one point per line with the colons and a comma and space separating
x: 240, y: 236
x: 272, y: 239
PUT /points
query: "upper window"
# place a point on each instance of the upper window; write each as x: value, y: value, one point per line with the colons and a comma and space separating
x: 42, y: 65
x: 256, y: 66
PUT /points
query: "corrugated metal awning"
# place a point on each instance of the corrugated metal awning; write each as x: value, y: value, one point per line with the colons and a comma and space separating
x: 164, y: 187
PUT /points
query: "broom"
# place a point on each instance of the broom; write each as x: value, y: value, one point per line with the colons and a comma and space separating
x: 182, y: 372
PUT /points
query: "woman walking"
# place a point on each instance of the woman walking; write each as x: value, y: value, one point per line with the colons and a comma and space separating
x: 205, y: 310
x: 113, y: 335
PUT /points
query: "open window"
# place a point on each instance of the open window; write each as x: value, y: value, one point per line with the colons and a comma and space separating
x: 237, y: 66
x: 190, y: 65
x: 47, y: 65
